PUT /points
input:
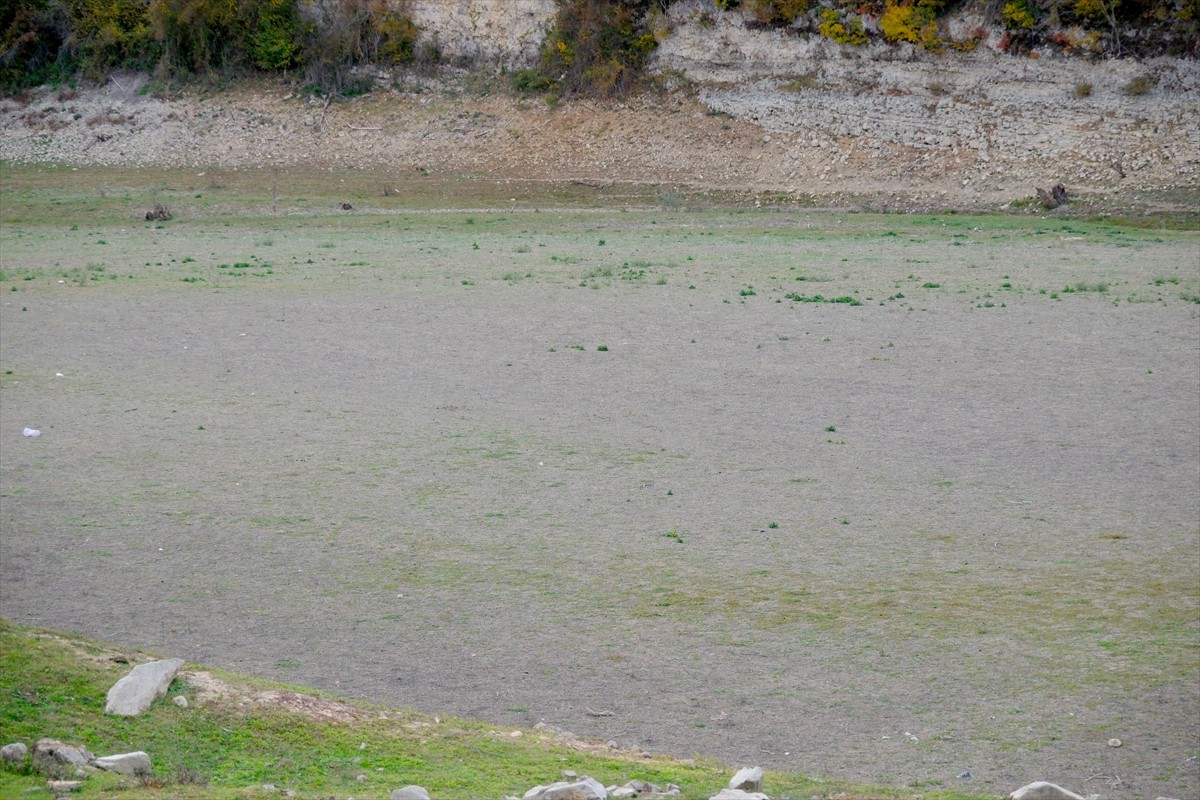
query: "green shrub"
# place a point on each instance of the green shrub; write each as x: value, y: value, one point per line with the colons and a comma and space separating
x: 596, y: 47
x: 831, y: 27
x: 1139, y: 86
x: 1017, y: 15
x: 106, y: 34
x: 778, y: 12
x: 32, y: 39
x: 911, y: 22
x: 54, y: 39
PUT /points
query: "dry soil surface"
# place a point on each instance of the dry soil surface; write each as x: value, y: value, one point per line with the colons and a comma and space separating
x: 612, y: 471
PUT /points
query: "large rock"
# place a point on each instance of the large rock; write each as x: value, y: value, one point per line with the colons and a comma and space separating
x: 51, y: 751
x: 1043, y: 790
x: 738, y: 794
x: 749, y: 779
x: 131, y: 764
x: 14, y: 753
x: 410, y: 792
x: 583, y: 789
x: 134, y: 693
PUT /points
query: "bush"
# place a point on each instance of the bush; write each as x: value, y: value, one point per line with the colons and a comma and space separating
x: 909, y: 22
x: 1139, y: 86
x: 596, y: 47
x: 345, y: 34
x: 32, y: 39
x: 106, y: 34
x: 778, y: 12
x: 1017, y: 15
x: 54, y: 39
x: 831, y: 27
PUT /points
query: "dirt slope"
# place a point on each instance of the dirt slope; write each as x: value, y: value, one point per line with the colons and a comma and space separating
x: 965, y: 133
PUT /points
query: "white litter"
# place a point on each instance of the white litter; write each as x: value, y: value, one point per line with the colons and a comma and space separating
x: 32, y: 432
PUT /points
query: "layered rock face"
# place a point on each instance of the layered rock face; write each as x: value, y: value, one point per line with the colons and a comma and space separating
x: 502, y: 32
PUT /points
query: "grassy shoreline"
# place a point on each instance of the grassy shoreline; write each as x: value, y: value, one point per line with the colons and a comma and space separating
x: 53, y: 685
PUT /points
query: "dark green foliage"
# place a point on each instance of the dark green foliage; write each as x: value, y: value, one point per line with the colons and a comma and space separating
x: 596, y: 47
x: 54, y: 40
x: 32, y: 36
x: 350, y: 33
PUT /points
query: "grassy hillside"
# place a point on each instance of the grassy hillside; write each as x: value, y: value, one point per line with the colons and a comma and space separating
x: 54, y: 685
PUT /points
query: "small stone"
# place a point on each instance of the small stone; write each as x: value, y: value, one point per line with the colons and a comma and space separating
x: 14, y: 753
x: 1043, y: 790
x: 748, y: 779
x: 410, y: 793
x: 1114, y: 742
x: 569, y: 774
x: 965, y: 775
x: 180, y: 701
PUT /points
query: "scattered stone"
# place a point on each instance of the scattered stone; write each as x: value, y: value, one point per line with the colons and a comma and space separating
x: 410, y: 793
x: 131, y: 764
x: 134, y: 693
x: 1114, y: 742
x: 180, y: 701
x: 347, y: 207
x: 14, y: 753
x: 749, y: 779
x: 637, y: 788
x: 49, y: 752
x: 738, y: 794
x: 965, y: 775
x: 1043, y: 790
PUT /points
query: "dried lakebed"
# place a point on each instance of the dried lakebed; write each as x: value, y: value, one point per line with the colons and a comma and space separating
x: 623, y: 474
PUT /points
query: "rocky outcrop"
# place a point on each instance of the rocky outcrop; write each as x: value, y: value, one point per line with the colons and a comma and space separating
x: 1107, y: 118
x: 502, y: 32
